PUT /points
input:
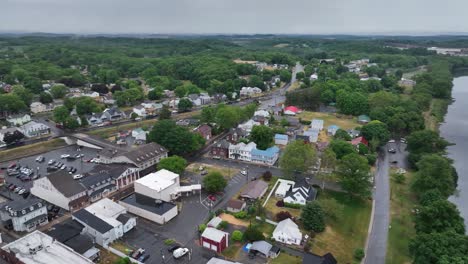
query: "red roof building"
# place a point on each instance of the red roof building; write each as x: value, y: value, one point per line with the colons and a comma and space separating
x: 358, y: 140
x: 204, y: 130
x: 214, y: 239
x: 292, y: 109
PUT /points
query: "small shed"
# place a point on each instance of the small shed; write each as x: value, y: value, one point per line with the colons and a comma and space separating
x: 363, y: 119
x: 235, y: 206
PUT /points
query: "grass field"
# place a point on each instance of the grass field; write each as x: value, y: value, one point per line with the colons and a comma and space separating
x: 285, y: 258
x: 233, y: 250
x: 402, y: 230
x: 225, y: 171
x: 108, y: 257
x: 435, y: 114
x: 343, y: 236
x: 33, y: 149
x: 330, y: 119
x: 273, y: 209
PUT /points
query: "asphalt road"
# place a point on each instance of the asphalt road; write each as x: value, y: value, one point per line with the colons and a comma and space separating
x: 377, y: 241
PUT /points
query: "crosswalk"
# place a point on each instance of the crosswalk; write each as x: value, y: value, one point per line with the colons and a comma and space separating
x: 236, y: 179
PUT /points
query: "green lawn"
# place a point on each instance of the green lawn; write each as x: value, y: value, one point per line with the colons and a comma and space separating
x: 285, y: 258
x: 233, y: 250
x: 401, y: 229
x: 330, y: 119
x: 349, y: 232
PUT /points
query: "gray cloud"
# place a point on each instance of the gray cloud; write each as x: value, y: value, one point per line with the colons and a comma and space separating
x: 234, y: 16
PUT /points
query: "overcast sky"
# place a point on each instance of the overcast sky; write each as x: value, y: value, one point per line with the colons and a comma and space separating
x: 235, y: 16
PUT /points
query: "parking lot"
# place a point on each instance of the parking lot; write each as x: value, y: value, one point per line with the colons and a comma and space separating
x: 39, y: 169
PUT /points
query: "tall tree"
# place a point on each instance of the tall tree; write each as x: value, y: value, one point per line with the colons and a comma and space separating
x: 165, y: 113
x: 58, y: 91
x: 354, y: 176
x: 174, y: 163
x: 434, y: 172
x: 439, y: 216
x: 24, y: 94
x: 262, y: 136
x: 184, y: 105
x: 313, y: 217
x: 298, y: 157
x: 214, y: 182
x: 376, y: 130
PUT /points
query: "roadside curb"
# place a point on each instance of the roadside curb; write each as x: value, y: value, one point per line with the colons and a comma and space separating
x: 369, y: 231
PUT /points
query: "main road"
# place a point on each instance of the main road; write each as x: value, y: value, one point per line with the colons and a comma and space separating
x: 376, y: 248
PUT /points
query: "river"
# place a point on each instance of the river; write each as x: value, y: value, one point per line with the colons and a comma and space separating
x: 455, y: 130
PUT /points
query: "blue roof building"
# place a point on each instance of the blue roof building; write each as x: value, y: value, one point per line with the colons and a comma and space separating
x: 281, y: 139
x: 267, y: 157
x: 332, y: 129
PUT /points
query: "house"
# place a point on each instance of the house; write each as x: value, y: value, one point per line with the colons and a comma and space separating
x: 314, y: 77
x: 214, y: 239
x: 140, y: 111
x: 261, y: 120
x: 155, y: 210
x: 287, y: 232
x: 268, y: 156
x: 163, y: 185
x: 249, y: 91
x: 248, y: 125
x: 220, y: 149
x: 316, y: 124
x: 204, y: 131
x: 38, y: 247
x: 312, y: 134
x: 283, y: 187
x: 406, y: 82
x: 68, y: 233
x: 113, y: 114
x: 304, y: 138
x: 300, y: 194
x: 359, y: 140
x: 145, y: 156
x: 60, y: 189
x: 353, y: 133
x: 363, y: 119
x: 34, y: 129
x: 139, y: 135
x: 310, y: 258
x: 18, y: 119
x: 263, y: 113
x: 281, y: 139
x: 195, y: 99
x: 332, y: 129
x: 236, y: 134
x: 265, y: 249
x: 254, y: 190
x: 276, y: 110
x: 94, y: 95
x: 204, y: 99
x: 105, y: 221
x: 38, y: 107
x: 24, y: 215
x: 241, y: 151
x: 219, y: 98
x: 94, y: 119
x: 214, y: 222
x: 235, y: 206
x: 291, y: 110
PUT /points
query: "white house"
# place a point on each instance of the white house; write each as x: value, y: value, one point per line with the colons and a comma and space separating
x: 139, y: 110
x: 313, y: 77
x: 281, y: 139
x: 38, y: 247
x: 38, y: 107
x: 287, y: 232
x: 19, y: 119
x: 247, y: 126
x: 300, y: 195
x: 241, y: 151
x: 139, y: 135
x: 316, y: 124
x: 283, y: 187
x: 25, y: 215
x: 263, y: 113
x: 249, y: 91
x: 34, y: 129
x: 105, y: 221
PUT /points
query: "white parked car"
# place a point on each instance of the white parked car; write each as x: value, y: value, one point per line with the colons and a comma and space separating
x: 22, y: 191
x: 77, y: 176
x: 243, y: 172
x: 391, y: 141
x: 180, y: 252
x: 64, y: 156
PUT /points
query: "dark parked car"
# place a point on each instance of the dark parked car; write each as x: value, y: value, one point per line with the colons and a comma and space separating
x: 143, y: 257
x: 173, y: 247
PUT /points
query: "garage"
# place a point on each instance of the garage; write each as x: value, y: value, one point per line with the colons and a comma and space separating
x: 214, y: 239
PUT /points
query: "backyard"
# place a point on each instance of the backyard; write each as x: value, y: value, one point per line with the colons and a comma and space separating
x: 348, y: 232
x: 330, y: 119
x: 402, y: 230
x: 286, y: 258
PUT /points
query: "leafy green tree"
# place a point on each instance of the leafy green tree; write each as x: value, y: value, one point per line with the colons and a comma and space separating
x: 11, y: 138
x: 438, y: 247
x: 313, y: 217
x: 227, y: 117
x: 332, y: 209
x: 58, y: 91
x: 285, y: 75
x: 253, y: 233
x: 214, y: 182
x: 11, y: 103
x: 176, y: 139
x: 342, y: 148
x: 33, y: 84
x: 184, y: 105
x: 155, y: 94
x: 165, y: 113
x: 300, y: 75
x: 354, y: 177
x: 298, y: 157
x: 71, y: 123
x: 45, y: 98
x: 439, y: 216
x: 86, y: 105
x: 24, y: 94
x: 434, y: 173
x: 352, y: 103
x: 342, y: 134
x: 181, y: 91
x: 376, y: 130
x: 208, y: 115
x: 425, y: 141
x: 61, y: 114
x: 174, y: 163
x: 262, y: 136
x: 256, y: 81
x: 382, y: 99
x: 363, y: 149
x: 237, y: 235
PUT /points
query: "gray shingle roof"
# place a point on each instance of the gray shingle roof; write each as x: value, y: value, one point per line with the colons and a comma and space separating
x: 65, y: 184
x: 93, y: 221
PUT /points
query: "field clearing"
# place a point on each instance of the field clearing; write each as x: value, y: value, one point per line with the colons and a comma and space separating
x: 346, y: 234
x: 281, y: 45
x: 239, y: 61
x: 32, y: 149
x: 286, y: 258
x: 330, y: 119
x: 273, y: 209
x: 402, y: 201
x: 225, y: 171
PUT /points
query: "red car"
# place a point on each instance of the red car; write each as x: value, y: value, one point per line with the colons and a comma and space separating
x: 212, y: 197
x: 12, y: 165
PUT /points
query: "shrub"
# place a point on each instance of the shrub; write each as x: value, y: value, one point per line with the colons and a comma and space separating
x: 201, y: 228
x: 240, y: 215
x: 252, y: 233
x: 223, y: 225
x: 267, y: 176
x: 294, y: 206
x: 124, y: 260
x: 219, y: 211
x: 280, y: 203
x: 237, y: 235
x: 305, y: 122
x: 371, y: 159
x: 399, y: 178
x: 359, y: 254
x: 283, y: 215
x: 331, y: 208
x: 313, y: 217
x: 169, y: 242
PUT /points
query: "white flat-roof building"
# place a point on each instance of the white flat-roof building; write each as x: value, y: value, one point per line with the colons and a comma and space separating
x: 316, y: 124
x: 39, y: 248
x: 283, y: 187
